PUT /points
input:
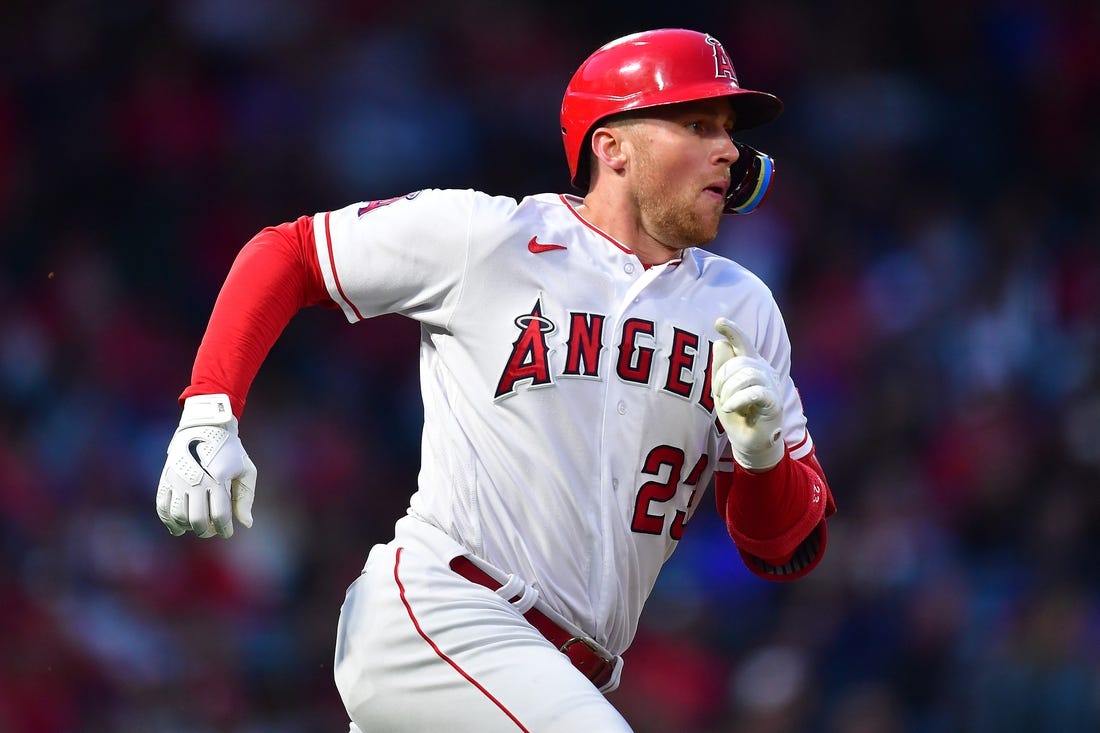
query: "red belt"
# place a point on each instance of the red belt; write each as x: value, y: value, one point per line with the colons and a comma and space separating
x: 592, y: 662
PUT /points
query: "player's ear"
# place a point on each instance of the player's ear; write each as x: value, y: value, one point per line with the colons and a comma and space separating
x: 608, y: 147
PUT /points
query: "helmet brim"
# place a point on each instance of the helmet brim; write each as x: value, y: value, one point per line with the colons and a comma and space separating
x: 753, y: 109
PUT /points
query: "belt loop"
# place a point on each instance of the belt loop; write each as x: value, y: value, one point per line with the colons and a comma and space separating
x: 527, y: 601
x: 517, y: 592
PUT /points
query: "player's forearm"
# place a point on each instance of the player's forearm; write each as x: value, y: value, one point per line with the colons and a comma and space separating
x: 776, y: 518
x: 273, y: 277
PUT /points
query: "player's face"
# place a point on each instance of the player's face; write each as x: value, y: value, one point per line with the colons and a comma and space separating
x: 679, y: 170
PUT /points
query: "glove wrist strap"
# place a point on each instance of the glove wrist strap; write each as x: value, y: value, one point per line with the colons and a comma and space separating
x: 763, y: 459
x: 207, y: 409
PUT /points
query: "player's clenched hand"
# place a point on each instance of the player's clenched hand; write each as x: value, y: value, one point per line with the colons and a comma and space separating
x: 746, y: 394
x: 208, y: 479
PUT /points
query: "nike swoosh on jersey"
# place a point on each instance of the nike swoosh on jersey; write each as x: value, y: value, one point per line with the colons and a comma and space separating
x: 537, y: 247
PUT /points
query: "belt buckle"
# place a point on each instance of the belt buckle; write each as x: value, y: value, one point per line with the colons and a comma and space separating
x: 602, y: 672
x: 588, y: 643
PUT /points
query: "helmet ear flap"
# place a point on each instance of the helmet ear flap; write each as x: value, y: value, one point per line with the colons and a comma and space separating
x: 750, y: 178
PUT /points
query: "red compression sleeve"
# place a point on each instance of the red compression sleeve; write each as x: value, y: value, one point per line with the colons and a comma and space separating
x: 777, y: 518
x: 274, y: 276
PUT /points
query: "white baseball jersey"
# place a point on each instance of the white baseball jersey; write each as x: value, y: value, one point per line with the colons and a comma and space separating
x: 569, y: 432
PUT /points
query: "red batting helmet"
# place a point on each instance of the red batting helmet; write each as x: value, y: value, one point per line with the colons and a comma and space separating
x: 650, y: 69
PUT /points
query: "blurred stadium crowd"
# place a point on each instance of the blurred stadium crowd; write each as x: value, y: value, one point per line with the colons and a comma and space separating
x: 933, y: 237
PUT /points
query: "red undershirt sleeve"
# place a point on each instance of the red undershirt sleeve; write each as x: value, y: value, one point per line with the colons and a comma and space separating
x: 777, y: 518
x: 273, y: 276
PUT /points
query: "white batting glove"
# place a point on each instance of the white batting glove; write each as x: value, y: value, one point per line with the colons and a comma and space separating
x: 746, y: 394
x: 208, y: 479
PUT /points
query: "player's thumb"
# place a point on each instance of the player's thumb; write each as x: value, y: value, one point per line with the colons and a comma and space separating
x: 242, y: 503
x: 721, y: 352
x: 244, y: 491
x: 735, y: 337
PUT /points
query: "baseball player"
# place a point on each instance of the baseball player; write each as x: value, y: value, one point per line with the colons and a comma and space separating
x: 586, y: 370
